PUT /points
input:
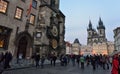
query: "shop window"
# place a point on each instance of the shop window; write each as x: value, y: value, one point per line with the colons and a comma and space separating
x: 1, y: 43
x: 4, y: 37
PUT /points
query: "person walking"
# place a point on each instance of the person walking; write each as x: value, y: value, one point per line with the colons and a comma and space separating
x: 7, y: 58
x: 78, y: 60
x: 115, y: 64
x: 82, y: 60
x: 42, y: 61
x: 37, y: 59
x: 110, y: 60
x: 54, y: 60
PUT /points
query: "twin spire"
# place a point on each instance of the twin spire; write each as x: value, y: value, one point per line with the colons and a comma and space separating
x: 100, y: 25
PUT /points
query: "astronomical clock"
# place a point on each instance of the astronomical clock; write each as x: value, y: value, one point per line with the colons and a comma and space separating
x: 54, y: 31
x: 54, y: 41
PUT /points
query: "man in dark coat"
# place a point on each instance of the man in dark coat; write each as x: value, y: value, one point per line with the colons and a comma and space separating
x: 37, y: 59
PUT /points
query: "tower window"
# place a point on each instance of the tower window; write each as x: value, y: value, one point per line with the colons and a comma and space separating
x: 32, y: 19
x: 3, y: 6
x: 18, y: 13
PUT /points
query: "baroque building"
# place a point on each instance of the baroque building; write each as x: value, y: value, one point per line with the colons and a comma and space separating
x: 76, y: 47
x: 27, y: 26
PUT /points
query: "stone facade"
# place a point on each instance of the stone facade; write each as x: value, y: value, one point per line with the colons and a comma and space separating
x: 20, y: 28
x: 117, y: 38
x: 52, y: 28
x: 27, y: 36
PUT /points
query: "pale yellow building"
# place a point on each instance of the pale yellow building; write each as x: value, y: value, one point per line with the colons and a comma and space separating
x: 76, y: 47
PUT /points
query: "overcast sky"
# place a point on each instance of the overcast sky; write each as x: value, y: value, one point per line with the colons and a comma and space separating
x: 79, y: 12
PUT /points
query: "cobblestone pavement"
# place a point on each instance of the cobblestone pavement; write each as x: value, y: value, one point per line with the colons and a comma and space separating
x: 58, y: 70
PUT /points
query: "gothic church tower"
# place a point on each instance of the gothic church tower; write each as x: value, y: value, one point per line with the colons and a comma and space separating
x: 96, y: 36
x: 101, y: 31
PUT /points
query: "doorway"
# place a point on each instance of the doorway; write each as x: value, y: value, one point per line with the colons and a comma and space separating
x: 22, y: 47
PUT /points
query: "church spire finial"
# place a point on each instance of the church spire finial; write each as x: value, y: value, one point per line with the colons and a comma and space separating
x: 100, y: 24
x: 90, y: 24
x: 100, y: 21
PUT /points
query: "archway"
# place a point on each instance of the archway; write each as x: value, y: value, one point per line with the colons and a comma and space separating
x: 22, y: 47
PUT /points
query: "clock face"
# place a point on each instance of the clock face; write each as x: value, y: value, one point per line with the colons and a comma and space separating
x: 55, y: 31
x: 38, y: 34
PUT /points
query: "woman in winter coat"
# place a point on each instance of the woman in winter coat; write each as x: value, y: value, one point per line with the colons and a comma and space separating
x: 115, y: 64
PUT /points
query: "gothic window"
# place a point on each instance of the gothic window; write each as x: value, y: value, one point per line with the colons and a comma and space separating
x: 18, y: 13
x: 3, y: 6
x: 90, y: 33
x: 32, y: 19
x: 34, y: 4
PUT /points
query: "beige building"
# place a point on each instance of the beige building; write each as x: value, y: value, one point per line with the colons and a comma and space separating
x: 100, y: 48
x: 111, y: 47
x: 86, y: 50
x: 68, y: 48
x: 27, y: 26
x: 76, y: 47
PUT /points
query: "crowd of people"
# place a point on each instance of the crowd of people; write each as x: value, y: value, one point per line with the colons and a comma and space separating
x: 5, y: 60
x: 96, y: 61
